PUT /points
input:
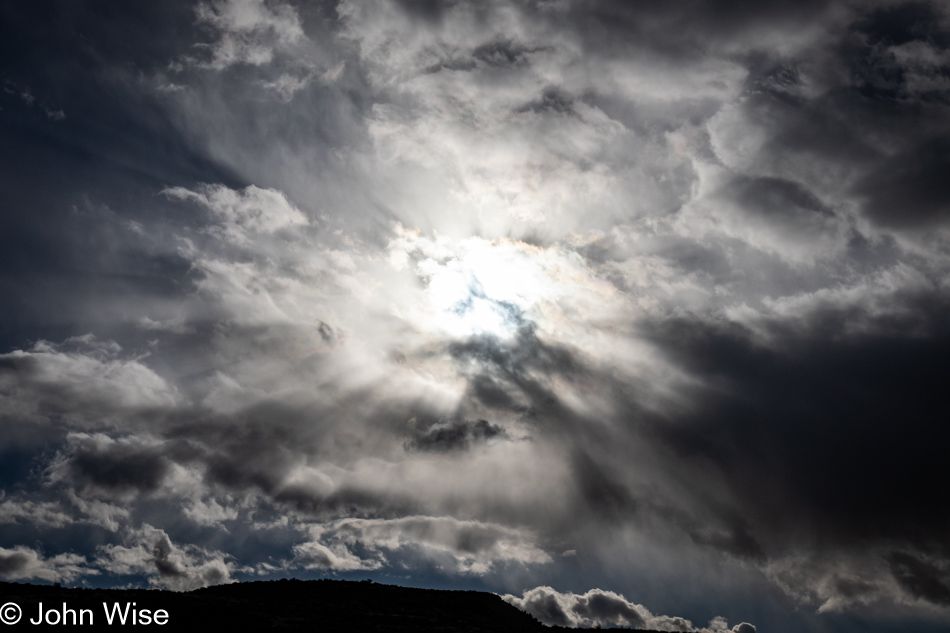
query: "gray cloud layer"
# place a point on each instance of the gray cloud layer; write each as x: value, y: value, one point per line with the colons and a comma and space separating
x: 533, y: 293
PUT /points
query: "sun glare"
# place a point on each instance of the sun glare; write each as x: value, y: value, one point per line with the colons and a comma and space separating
x: 474, y: 287
x: 465, y: 310
x: 469, y: 297
x: 479, y: 287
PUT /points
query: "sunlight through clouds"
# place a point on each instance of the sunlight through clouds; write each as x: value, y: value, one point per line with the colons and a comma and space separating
x: 640, y: 304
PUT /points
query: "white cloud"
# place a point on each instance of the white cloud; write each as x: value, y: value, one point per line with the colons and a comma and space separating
x: 39, y: 513
x: 175, y: 326
x: 24, y: 563
x: 603, y: 609
x: 98, y: 512
x: 287, y: 85
x: 243, y: 213
x: 249, y: 31
x: 149, y: 551
x: 83, y: 381
x: 471, y: 547
x: 315, y: 555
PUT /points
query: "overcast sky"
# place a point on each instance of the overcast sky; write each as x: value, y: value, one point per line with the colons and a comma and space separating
x: 633, y: 312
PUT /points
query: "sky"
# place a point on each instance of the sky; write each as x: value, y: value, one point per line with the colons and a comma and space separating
x: 633, y: 313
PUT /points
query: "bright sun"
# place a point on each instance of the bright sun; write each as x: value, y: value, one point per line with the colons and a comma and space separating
x: 475, y: 287
x: 464, y: 308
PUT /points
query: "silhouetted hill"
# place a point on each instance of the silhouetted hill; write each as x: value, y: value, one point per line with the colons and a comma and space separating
x: 291, y: 605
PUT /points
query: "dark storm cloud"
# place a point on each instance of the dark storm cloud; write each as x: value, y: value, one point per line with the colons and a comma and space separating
x: 774, y: 196
x: 256, y: 452
x: 821, y: 438
x: 118, y: 466
x: 448, y: 435
x: 903, y: 23
x: 506, y: 373
x: 687, y: 26
x: 603, y: 495
x: 12, y: 563
x: 921, y: 578
x: 551, y: 100
x: 910, y: 189
x: 838, y: 428
x: 502, y: 54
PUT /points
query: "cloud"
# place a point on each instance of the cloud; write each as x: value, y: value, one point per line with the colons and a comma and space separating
x: 24, y: 92
x: 907, y: 190
x: 471, y: 547
x: 287, y: 85
x: 839, y: 583
x: 38, y: 513
x: 98, y: 461
x: 150, y: 552
x: 314, y: 555
x: 248, y: 31
x: 924, y: 579
x: 170, y: 325
x: 605, y: 609
x: 24, y: 563
x: 97, y: 512
x: 451, y: 435
x: 83, y: 380
x: 252, y: 210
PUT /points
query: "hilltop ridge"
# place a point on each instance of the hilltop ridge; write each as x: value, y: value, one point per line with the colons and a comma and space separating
x: 288, y: 605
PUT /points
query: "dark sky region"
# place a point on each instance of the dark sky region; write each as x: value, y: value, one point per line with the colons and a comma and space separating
x: 635, y: 313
